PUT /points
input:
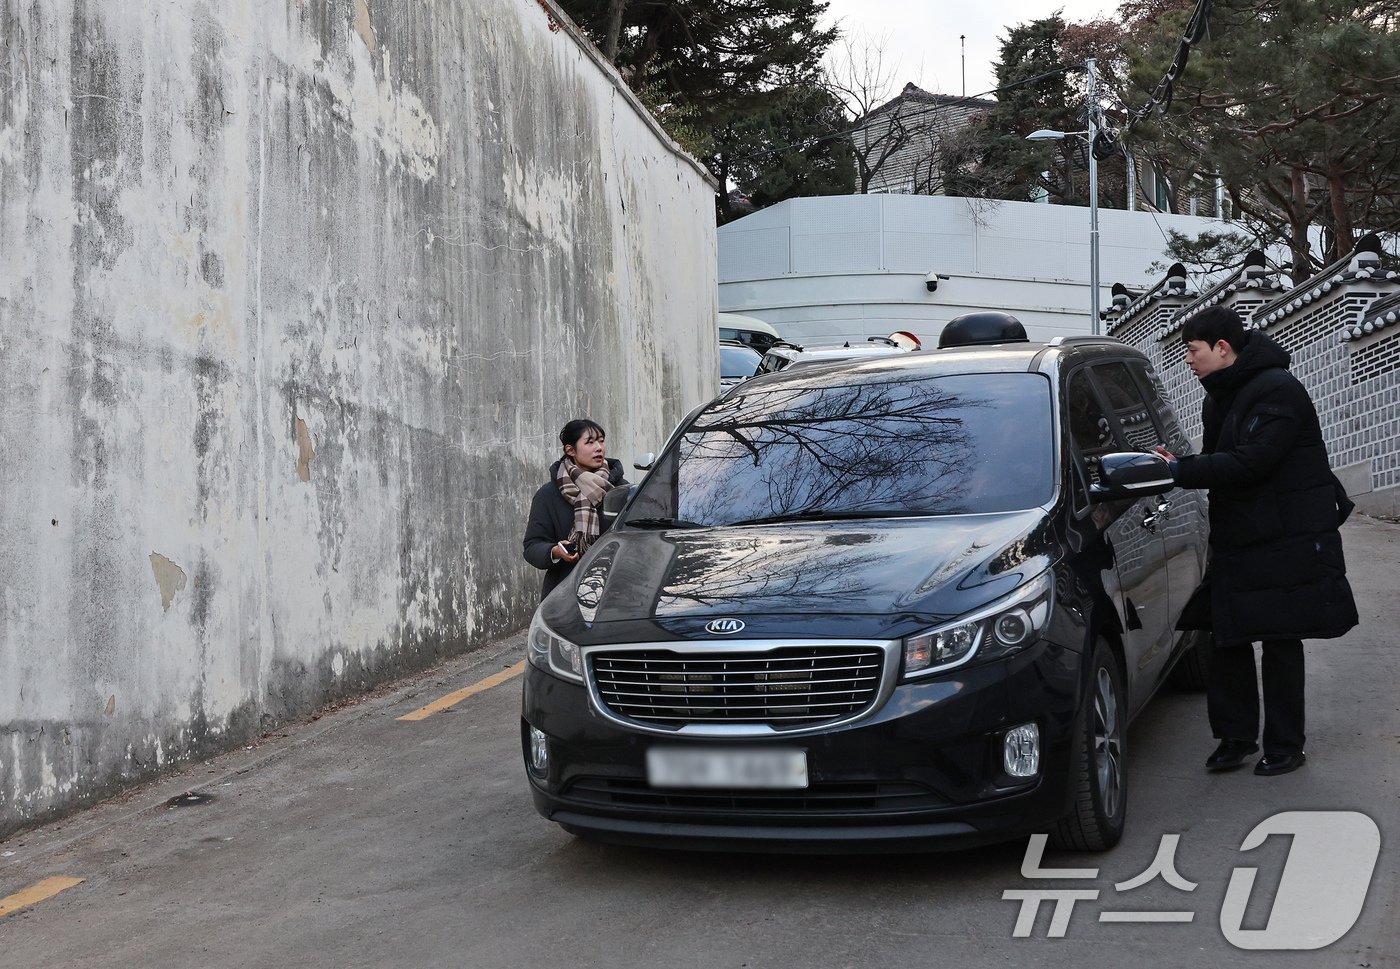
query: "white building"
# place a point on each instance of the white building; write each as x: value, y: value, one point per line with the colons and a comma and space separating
x: 848, y: 267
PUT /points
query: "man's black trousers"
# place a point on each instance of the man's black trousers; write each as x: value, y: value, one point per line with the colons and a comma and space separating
x: 1232, y: 694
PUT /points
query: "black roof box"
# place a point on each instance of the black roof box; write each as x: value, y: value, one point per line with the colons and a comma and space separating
x: 977, y: 329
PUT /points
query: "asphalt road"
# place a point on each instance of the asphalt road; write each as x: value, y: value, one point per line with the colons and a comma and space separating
x: 360, y: 839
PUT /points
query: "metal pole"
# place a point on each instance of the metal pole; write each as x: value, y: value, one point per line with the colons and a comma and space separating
x: 1093, y: 205
x: 963, y: 38
x: 1132, y: 183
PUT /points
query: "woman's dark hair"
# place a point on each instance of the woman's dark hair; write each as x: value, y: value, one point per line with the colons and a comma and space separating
x: 1213, y: 325
x: 576, y: 429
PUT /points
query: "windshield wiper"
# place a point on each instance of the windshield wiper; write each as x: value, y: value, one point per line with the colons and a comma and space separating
x: 661, y: 523
x: 823, y: 514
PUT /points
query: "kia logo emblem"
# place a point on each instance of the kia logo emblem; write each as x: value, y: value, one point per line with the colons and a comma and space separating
x: 724, y: 627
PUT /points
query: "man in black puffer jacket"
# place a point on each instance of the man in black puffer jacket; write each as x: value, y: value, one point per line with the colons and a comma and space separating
x: 1276, y: 573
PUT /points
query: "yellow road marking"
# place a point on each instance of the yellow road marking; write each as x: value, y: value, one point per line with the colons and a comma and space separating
x: 36, y: 893
x: 452, y: 699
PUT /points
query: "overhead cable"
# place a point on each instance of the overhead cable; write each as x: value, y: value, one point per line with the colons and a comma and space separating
x: 1161, y: 98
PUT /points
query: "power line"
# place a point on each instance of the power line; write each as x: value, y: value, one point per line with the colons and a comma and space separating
x: 1160, y: 100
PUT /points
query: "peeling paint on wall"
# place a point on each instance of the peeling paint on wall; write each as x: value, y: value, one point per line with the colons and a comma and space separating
x: 363, y: 26
x: 169, y: 577
x: 305, y: 453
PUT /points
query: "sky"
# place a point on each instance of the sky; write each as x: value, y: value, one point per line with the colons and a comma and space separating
x: 922, y: 35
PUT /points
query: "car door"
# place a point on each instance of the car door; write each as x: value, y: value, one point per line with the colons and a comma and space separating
x: 1184, y: 528
x: 1101, y: 422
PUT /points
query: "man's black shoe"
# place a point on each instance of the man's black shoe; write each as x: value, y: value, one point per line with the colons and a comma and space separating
x: 1271, y: 764
x: 1231, y: 754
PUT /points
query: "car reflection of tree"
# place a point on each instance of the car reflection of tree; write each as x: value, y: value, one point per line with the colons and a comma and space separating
x: 743, y: 571
x: 880, y: 446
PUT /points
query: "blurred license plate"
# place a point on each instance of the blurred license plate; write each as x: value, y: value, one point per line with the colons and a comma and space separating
x: 736, y: 768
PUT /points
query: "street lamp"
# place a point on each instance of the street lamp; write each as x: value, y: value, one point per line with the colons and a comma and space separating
x: 1046, y: 134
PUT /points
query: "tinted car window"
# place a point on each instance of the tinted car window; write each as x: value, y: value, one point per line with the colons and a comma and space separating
x: 1128, y: 405
x: 1089, y: 423
x: 827, y: 446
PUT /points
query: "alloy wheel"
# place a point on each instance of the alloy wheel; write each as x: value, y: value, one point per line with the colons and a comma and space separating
x: 1108, y: 743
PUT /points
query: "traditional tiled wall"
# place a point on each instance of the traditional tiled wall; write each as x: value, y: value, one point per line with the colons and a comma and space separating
x: 1342, y: 329
x: 1373, y: 391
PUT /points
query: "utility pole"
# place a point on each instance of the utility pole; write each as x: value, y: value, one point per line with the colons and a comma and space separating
x: 963, y: 38
x: 1092, y: 131
x: 1093, y: 94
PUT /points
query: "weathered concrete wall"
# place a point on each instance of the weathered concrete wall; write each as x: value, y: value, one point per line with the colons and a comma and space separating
x: 294, y: 297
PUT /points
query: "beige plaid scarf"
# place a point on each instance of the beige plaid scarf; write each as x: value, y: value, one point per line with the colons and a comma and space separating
x: 584, y: 490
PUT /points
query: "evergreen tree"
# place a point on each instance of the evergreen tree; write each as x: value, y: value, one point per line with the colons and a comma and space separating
x: 991, y: 157
x: 705, y: 65
x: 789, y: 147
x: 1293, y: 104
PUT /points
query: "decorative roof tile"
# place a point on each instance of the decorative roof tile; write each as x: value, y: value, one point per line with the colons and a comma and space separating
x: 1382, y: 314
x: 1362, y: 264
x: 1254, y: 275
x: 1172, y: 285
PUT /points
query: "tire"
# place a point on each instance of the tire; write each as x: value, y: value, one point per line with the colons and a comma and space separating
x: 1098, y: 774
x: 1193, y: 669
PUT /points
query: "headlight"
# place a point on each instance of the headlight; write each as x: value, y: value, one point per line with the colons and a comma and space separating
x: 553, y: 653
x: 1004, y: 627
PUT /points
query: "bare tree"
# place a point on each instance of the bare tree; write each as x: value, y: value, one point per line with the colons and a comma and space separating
x: 859, y: 75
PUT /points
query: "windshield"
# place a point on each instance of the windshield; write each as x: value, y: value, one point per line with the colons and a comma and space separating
x: 827, y: 448
x: 737, y: 361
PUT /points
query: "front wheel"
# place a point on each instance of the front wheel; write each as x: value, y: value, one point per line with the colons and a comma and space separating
x: 1098, y: 775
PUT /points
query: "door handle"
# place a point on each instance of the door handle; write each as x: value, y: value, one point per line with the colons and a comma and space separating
x: 1157, y: 515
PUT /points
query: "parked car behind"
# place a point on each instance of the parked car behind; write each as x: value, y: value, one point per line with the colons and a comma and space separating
x: 782, y: 355
x: 737, y: 363
x: 748, y: 330
x: 905, y: 601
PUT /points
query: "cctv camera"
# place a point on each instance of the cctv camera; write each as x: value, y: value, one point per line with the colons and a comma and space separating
x: 931, y: 281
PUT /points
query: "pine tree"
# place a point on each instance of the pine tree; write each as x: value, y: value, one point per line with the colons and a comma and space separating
x: 792, y: 146
x: 992, y: 158
x: 1293, y: 104
x: 707, y: 63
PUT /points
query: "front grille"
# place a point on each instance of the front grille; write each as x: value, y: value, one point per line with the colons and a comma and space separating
x: 786, y: 689
x: 838, y: 797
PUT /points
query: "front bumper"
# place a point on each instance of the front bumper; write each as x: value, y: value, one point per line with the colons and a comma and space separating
x: 924, y: 770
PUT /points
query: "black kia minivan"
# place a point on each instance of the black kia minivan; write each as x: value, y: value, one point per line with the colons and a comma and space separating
x: 907, y: 602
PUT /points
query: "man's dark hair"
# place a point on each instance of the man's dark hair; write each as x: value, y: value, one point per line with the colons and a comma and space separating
x: 1213, y: 325
x: 576, y: 429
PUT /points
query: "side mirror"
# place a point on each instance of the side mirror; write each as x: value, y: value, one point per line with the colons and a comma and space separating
x: 644, y: 462
x: 614, y: 501
x: 1132, y: 474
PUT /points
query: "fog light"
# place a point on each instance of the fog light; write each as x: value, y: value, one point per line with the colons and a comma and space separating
x: 539, y: 751
x: 1020, y: 751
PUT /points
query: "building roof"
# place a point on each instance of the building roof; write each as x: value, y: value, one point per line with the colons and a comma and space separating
x: 913, y: 94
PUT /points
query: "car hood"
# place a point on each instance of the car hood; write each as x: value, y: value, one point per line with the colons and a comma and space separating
x: 870, y: 575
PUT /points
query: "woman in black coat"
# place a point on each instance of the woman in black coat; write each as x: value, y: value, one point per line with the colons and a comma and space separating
x: 566, y: 514
x: 1277, y: 574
